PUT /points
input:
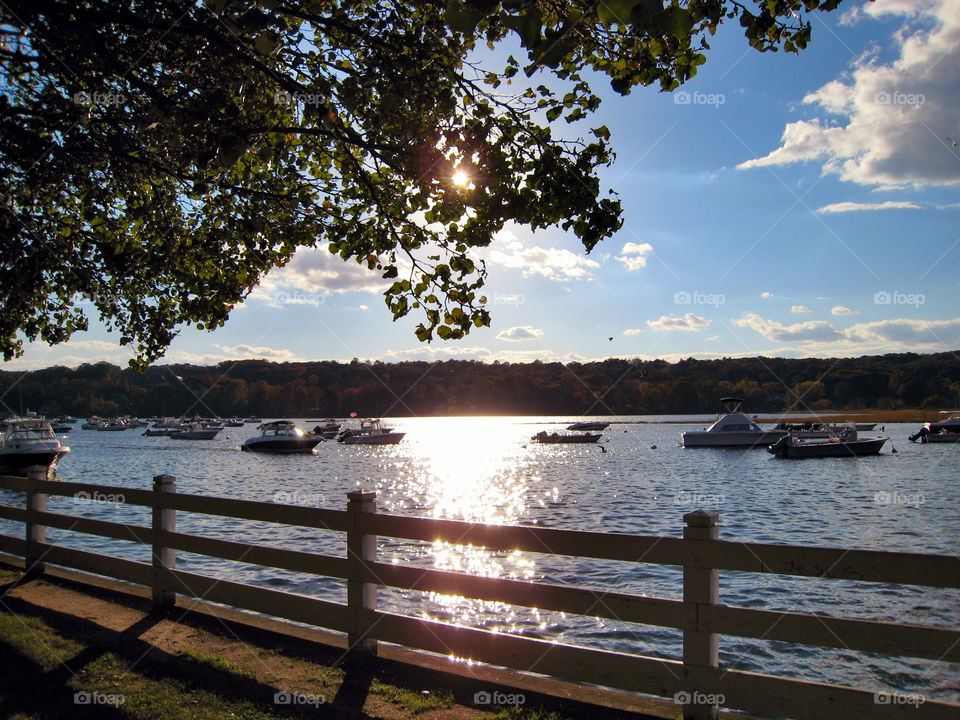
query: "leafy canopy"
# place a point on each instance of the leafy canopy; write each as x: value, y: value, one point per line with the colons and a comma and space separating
x: 160, y: 156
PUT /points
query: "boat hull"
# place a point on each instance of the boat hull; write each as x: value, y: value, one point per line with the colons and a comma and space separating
x: 563, y: 439
x: 194, y: 434
x: 282, y: 446
x: 391, y: 438
x: 748, y: 439
x: 16, y: 463
x: 799, y: 450
x: 943, y: 438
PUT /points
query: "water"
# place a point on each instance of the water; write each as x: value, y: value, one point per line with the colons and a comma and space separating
x: 484, y: 469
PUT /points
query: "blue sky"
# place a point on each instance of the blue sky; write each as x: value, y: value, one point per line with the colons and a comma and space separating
x: 784, y: 205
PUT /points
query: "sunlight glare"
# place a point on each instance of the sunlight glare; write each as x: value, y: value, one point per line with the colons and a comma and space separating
x: 461, y: 179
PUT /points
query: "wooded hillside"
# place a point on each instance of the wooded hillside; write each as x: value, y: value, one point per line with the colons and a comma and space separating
x: 321, y: 389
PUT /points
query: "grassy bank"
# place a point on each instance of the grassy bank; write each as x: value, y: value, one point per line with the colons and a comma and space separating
x: 77, y: 655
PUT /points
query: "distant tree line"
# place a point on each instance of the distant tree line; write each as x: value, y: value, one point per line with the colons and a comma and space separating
x: 457, y: 387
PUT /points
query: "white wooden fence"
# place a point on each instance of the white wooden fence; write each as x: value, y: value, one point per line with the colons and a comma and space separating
x: 697, y: 680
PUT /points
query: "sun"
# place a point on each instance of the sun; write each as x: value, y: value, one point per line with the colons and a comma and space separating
x: 461, y: 179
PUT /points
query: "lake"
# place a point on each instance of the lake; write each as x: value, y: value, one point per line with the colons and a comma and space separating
x: 641, y: 481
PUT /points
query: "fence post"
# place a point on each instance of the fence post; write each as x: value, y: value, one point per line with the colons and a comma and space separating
x: 701, y: 586
x: 361, y: 549
x: 164, y: 558
x: 36, y: 532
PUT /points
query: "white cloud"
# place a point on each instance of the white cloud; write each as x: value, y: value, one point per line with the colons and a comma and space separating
x: 766, y: 295
x: 843, y: 207
x: 632, y: 331
x: 634, y: 255
x: 551, y: 263
x: 841, y: 310
x: 884, y: 336
x: 932, y: 335
x: 894, y: 117
x: 810, y: 331
x: 520, y: 334
x: 312, y: 275
x: 800, y: 309
x: 689, y: 323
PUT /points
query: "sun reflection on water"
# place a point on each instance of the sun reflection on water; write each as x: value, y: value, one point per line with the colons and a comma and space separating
x: 477, y: 470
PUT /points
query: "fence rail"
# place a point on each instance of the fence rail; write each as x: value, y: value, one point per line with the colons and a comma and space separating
x: 697, y: 681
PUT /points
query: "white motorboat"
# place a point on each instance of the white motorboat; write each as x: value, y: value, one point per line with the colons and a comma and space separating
x: 942, y: 431
x: 732, y: 429
x: 26, y: 442
x: 370, y: 432
x: 282, y: 437
x: 195, y: 431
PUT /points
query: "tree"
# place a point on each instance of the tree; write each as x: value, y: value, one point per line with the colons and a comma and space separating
x: 159, y: 157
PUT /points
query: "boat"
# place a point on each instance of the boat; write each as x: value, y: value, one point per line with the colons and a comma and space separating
x: 114, y: 425
x: 233, y: 422
x: 546, y: 438
x: 92, y: 423
x: 253, y: 420
x: 845, y: 444
x: 328, y: 430
x: 588, y: 426
x: 282, y: 437
x: 195, y: 431
x: 732, y: 429
x: 26, y: 442
x: 942, y: 431
x: 370, y: 432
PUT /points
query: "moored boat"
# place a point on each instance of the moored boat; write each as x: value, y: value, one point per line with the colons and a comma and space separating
x: 328, y: 430
x: 282, y: 437
x: 732, y: 429
x: 195, y: 431
x: 942, y: 431
x: 546, y: 438
x: 370, y: 432
x: 588, y: 425
x: 26, y: 442
x: 847, y: 443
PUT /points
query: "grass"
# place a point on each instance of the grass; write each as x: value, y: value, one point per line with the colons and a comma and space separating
x: 60, y: 659
x: 412, y: 701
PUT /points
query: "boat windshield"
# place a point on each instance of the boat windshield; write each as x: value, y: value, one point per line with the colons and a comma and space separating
x: 741, y: 427
x: 31, y: 432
